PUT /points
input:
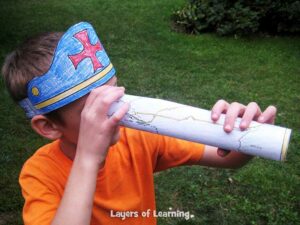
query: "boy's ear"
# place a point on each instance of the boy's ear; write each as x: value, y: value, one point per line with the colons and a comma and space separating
x: 46, y: 127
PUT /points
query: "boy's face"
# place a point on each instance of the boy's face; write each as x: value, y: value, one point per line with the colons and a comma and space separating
x: 71, y: 115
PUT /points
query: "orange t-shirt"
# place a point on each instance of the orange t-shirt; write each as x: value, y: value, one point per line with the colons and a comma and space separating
x: 124, y: 184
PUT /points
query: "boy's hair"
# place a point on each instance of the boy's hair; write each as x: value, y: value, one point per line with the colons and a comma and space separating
x: 30, y: 60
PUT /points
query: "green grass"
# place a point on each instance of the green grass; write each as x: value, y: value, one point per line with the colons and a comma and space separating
x: 152, y: 60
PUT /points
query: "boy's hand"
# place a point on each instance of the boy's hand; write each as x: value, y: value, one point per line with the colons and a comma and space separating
x: 247, y: 113
x: 97, y: 131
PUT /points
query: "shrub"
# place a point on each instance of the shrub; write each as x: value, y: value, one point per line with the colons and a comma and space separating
x: 241, y: 17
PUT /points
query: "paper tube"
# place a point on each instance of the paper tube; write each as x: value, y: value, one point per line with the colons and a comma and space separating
x: 195, y: 124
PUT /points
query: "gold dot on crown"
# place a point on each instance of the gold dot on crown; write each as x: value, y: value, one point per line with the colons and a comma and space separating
x: 35, y: 91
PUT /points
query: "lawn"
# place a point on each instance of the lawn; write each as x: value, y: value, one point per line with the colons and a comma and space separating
x: 152, y: 60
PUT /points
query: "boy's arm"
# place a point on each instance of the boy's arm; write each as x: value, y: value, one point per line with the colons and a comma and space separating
x: 93, y: 142
x: 216, y: 157
x: 232, y: 160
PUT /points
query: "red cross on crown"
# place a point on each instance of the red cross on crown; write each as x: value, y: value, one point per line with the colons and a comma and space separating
x: 89, y: 51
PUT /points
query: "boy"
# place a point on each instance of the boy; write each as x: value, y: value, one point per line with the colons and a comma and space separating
x: 94, y: 169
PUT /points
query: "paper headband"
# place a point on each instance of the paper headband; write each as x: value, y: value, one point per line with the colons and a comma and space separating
x: 79, y: 65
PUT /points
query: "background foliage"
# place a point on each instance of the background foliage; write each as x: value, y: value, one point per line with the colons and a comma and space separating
x: 239, y: 17
x: 153, y: 61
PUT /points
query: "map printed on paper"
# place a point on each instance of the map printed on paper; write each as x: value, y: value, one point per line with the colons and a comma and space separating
x: 195, y: 124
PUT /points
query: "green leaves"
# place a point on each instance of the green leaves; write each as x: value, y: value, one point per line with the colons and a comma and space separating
x: 239, y: 17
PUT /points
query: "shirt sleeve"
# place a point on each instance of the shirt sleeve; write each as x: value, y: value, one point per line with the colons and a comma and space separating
x: 164, y: 152
x: 174, y: 152
x: 41, y: 201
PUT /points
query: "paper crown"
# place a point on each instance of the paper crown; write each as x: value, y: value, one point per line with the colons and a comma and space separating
x: 79, y: 65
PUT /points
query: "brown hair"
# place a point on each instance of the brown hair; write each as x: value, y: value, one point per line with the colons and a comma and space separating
x: 30, y: 60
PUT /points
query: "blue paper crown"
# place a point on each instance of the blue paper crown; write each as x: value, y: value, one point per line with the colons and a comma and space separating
x: 79, y: 65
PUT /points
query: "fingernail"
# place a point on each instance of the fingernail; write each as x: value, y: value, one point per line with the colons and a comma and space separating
x: 215, y: 116
x: 222, y: 154
x: 243, y: 124
x: 228, y: 127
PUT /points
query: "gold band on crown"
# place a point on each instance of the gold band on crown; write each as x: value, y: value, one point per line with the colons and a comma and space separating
x: 74, y: 89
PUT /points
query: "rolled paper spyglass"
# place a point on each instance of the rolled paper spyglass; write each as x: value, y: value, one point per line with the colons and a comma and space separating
x: 195, y: 124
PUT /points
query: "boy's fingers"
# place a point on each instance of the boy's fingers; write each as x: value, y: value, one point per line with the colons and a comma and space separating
x: 252, y: 111
x: 101, y: 91
x: 234, y: 110
x: 220, y: 107
x: 111, y: 89
x: 268, y: 116
x: 94, y: 94
x: 105, y: 102
x: 118, y: 115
